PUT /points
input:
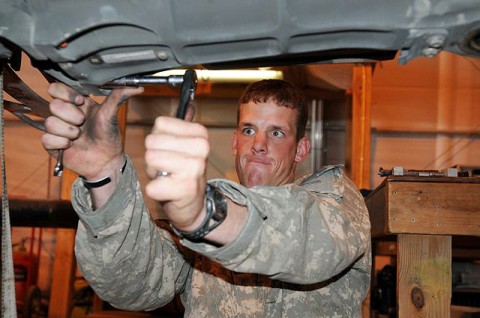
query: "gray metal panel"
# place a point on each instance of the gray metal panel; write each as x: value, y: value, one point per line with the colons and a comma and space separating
x: 90, y: 42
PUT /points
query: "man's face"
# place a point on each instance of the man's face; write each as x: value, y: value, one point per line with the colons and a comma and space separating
x: 264, y: 144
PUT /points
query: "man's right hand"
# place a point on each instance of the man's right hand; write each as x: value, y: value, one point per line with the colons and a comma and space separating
x: 88, y: 132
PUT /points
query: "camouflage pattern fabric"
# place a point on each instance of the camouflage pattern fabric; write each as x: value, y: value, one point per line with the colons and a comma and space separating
x: 304, y: 252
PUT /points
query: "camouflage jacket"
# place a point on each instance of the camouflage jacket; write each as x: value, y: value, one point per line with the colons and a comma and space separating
x: 304, y: 252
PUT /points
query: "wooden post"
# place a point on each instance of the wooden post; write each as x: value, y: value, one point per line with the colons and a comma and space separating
x: 361, y: 121
x: 424, y: 213
x: 358, y: 135
x: 446, y: 101
x: 64, y: 267
x: 424, y: 286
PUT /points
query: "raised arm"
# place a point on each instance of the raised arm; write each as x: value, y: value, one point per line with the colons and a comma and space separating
x: 299, y: 234
x: 120, y: 250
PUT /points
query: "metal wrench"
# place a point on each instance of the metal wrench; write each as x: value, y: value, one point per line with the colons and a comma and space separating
x: 187, y: 93
x: 58, y: 170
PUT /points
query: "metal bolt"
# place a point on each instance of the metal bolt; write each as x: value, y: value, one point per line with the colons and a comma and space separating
x: 95, y: 60
x: 66, y: 66
x: 436, y: 41
x: 162, y: 55
x: 430, y: 51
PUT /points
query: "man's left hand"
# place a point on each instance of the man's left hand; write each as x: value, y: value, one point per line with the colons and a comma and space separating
x: 181, y: 149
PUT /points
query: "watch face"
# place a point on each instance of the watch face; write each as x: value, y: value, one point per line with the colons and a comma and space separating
x: 216, y: 211
x: 218, y: 204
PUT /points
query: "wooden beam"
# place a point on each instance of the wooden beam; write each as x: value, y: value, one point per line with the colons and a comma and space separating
x: 435, y: 208
x: 64, y: 266
x: 168, y: 91
x: 358, y: 154
x: 204, y: 90
x: 421, y: 205
x: 446, y: 111
x: 323, y: 94
x: 424, y: 285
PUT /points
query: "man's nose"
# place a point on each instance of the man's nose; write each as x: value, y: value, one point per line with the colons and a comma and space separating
x: 259, y: 143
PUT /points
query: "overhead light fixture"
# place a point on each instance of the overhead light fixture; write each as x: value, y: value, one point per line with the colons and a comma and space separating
x: 227, y: 76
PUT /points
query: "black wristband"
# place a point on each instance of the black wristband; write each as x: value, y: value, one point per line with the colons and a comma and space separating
x: 101, y: 182
x: 216, y: 212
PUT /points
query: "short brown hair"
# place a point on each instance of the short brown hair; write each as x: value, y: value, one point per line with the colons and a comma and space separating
x: 282, y: 93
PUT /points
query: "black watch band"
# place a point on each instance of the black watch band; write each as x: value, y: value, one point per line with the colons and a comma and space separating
x: 216, y: 212
x: 101, y: 182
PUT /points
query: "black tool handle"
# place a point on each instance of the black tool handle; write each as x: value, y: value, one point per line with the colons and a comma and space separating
x: 187, y: 92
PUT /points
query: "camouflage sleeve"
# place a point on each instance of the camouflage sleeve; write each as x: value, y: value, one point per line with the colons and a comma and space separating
x: 127, y: 260
x: 300, y: 234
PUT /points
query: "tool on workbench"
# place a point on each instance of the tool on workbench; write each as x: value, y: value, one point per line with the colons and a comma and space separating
x: 400, y: 171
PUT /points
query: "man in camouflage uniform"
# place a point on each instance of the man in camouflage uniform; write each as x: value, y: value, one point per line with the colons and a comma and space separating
x: 285, y: 249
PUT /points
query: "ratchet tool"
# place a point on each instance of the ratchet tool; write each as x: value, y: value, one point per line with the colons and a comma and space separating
x: 32, y: 103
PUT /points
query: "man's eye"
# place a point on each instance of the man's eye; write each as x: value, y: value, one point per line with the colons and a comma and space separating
x: 248, y: 131
x: 278, y: 133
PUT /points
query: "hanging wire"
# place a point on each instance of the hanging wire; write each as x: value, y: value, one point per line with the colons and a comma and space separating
x: 473, y: 64
x: 450, y: 149
x: 31, y: 175
x: 7, y: 300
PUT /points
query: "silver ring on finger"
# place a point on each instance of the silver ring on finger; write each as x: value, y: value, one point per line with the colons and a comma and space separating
x: 163, y: 174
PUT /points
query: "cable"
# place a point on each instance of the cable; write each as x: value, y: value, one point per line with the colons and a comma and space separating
x: 450, y: 149
x: 30, y: 175
x: 430, y: 165
x: 8, y: 303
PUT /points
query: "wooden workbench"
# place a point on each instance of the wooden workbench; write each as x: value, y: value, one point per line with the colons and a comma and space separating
x: 424, y: 213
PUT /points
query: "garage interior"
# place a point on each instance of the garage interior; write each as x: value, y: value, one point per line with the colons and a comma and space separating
x: 422, y: 116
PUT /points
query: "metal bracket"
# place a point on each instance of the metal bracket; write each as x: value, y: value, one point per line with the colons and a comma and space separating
x: 426, y: 43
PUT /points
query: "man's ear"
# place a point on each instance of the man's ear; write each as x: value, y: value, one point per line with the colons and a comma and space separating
x: 303, y: 149
x: 234, y: 143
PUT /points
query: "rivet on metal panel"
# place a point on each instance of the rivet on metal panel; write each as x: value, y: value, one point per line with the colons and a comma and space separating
x: 430, y: 51
x: 162, y: 55
x: 66, y: 66
x: 436, y: 41
x: 96, y: 60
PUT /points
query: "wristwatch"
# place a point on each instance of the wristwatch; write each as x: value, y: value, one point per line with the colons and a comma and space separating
x: 216, y: 212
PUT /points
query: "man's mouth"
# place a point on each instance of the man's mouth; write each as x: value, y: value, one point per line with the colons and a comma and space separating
x: 261, y: 160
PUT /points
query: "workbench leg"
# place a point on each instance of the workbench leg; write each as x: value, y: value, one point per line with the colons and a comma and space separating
x: 424, y: 271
